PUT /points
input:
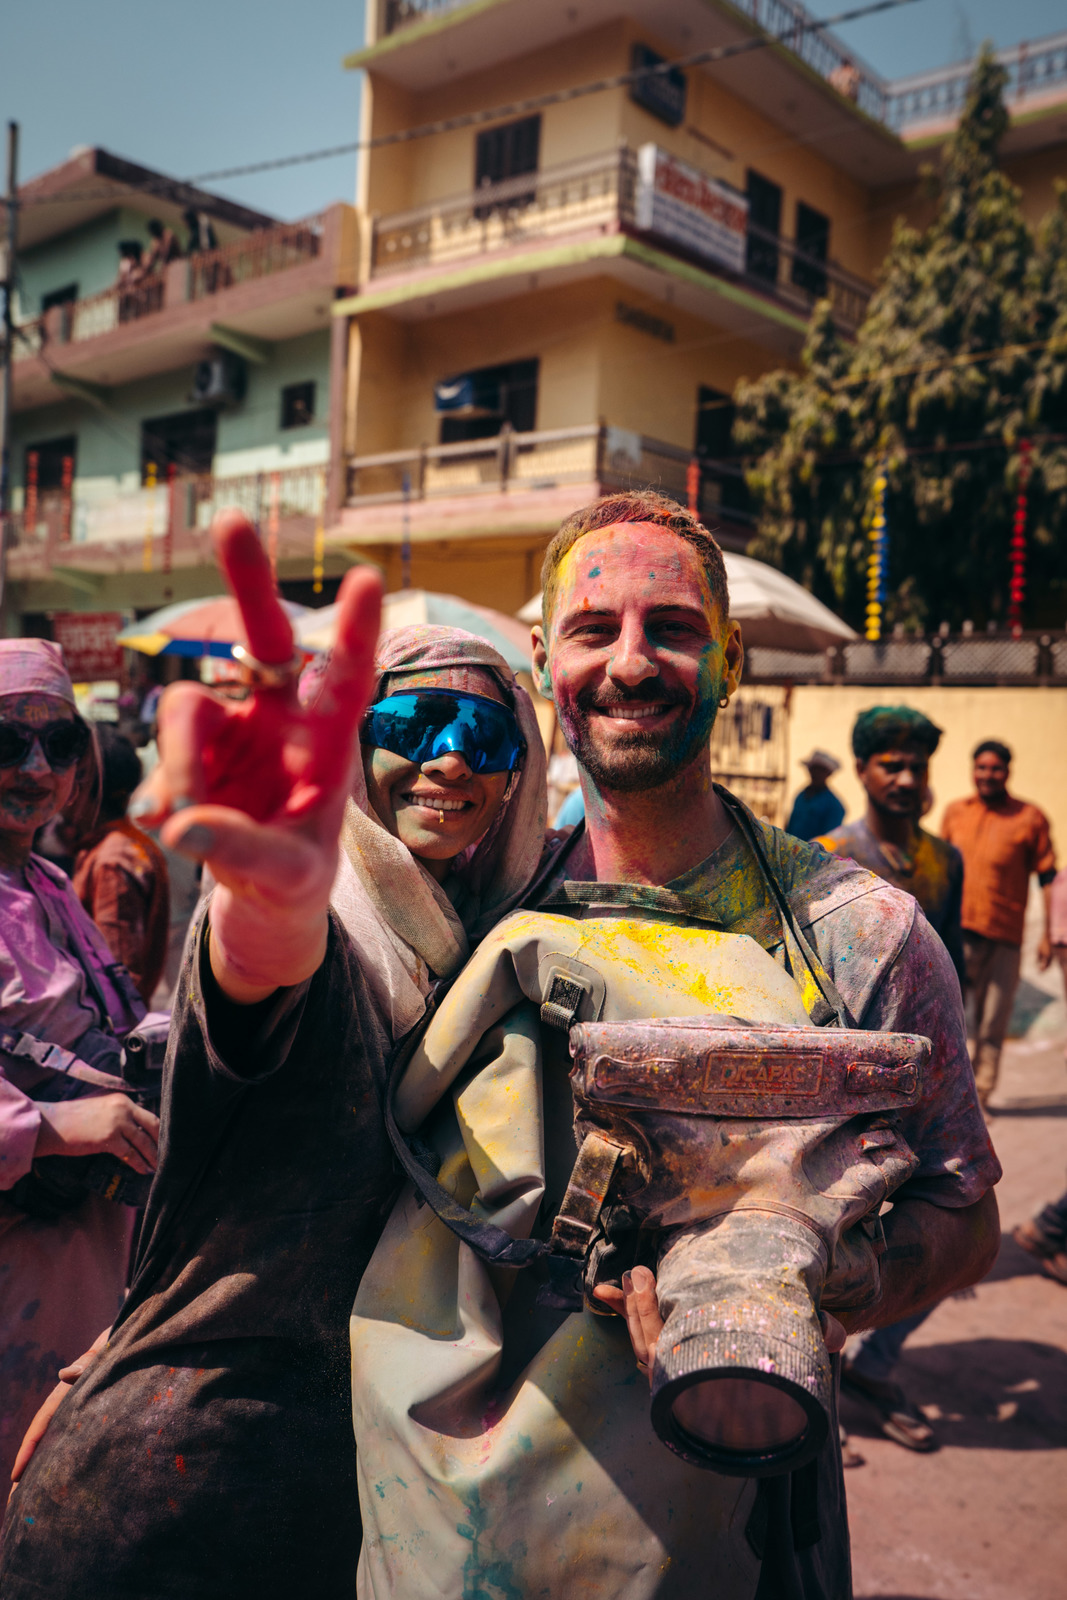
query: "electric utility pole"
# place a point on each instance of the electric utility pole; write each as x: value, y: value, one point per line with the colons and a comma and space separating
x: 8, y: 281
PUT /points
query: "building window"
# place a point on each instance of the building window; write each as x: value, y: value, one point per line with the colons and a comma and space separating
x: 298, y: 405
x: 51, y: 454
x: 507, y: 152
x: 724, y: 485
x: 764, y: 227
x: 185, y: 440
x: 59, y: 297
x: 476, y: 405
x: 813, y: 250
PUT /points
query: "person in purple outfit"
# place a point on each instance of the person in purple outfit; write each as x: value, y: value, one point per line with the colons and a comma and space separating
x: 61, y: 1276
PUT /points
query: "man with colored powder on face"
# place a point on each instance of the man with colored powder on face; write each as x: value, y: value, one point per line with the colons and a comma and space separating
x: 893, y: 746
x: 638, y: 652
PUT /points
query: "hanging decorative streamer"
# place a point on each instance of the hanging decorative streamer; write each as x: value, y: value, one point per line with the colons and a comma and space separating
x: 877, y: 564
x: 273, y: 523
x: 150, y: 515
x: 318, y: 558
x: 168, y: 532
x: 30, y: 510
x: 66, y: 484
x: 1017, y: 583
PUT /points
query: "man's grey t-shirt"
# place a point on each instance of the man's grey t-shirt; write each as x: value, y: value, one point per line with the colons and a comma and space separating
x: 894, y: 975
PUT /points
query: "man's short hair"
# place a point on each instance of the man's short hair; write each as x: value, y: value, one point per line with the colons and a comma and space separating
x: 639, y: 505
x: 995, y: 748
x: 889, y: 727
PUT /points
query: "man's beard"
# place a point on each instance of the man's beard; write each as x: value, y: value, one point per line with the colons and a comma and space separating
x: 638, y: 760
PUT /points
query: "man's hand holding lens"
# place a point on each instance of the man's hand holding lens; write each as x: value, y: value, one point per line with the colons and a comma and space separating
x: 256, y: 789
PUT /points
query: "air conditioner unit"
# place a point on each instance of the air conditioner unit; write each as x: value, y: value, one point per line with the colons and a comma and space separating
x: 220, y: 380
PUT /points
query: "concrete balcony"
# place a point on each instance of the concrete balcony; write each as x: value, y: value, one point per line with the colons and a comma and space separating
x: 588, y: 211
x: 525, y: 483
x: 275, y: 283
x: 81, y: 540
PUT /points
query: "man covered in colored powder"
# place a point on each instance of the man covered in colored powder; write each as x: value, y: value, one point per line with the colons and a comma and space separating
x: 893, y: 746
x: 1003, y: 841
x: 506, y: 1448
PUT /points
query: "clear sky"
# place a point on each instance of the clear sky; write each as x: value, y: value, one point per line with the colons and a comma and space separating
x: 206, y: 84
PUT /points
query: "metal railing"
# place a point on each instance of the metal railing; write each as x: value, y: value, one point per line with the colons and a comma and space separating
x: 400, y: 13
x: 615, y: 458
x: 966, y: 658
x: 1033, y: 67
x: 597, y: 192
x: 259, y: 255
x: 86, y: 528
x: 790, y: 23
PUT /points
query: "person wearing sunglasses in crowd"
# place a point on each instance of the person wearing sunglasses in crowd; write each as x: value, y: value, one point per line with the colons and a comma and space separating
x: 63, y: 1001
x: 207, y: 1448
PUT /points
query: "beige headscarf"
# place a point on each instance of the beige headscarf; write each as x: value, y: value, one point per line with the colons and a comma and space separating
x: 407, y: 928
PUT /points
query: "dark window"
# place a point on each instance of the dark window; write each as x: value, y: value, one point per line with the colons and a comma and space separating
x: 714, y: 441
x: 476, y: 405
x: 813, y: 248
x: 59, y: 297
x: 507, y: 152
x: 764, y: 227
x: 298, y: 405
x: 51, y: 454
x: 186, y: 440
x: 662, y: 93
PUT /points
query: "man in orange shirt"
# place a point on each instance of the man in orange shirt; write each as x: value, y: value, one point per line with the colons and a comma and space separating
x: 1002, y: 841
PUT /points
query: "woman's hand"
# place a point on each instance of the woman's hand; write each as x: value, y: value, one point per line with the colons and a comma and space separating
x: 111, y: 1123
x: 68, y: 1376
x: 257, y: 789
x: 636, y: 1301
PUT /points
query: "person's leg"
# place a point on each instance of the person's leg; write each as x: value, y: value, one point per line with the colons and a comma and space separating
x: 877, y: 1352
x: 991, y: 1022
x: 867, y: 1374
x: 1045, y: 1236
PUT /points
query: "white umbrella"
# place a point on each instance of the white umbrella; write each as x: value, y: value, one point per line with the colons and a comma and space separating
x: 409, y: 607
x: 774, y: 611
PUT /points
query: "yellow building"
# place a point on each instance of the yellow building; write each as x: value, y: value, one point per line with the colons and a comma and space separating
x: 557, y: 298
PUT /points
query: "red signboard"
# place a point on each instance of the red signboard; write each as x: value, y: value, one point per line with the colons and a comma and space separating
x: 87, y: 639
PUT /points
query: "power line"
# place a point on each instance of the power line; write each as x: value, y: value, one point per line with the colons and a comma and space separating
x: 471, y: 119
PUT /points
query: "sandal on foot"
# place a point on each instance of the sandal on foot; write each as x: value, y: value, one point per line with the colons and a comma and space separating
x: 1035, y: 1242
x: 901, y: 1421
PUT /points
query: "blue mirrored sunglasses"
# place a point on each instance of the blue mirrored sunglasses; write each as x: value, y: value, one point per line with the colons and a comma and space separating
x: 436, y: 722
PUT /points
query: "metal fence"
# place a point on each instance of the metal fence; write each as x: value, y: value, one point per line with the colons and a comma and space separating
x: 1033, y: 658
x: 1033, y: 67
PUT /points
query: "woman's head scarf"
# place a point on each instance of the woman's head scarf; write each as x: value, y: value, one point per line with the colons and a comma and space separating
x: 489, y: 878
x: 36, y: 666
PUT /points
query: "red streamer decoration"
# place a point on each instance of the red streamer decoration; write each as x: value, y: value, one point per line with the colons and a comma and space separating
x: 1017, y: 555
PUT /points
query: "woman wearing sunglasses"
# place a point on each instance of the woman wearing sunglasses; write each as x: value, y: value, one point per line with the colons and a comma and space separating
x: 208, y: 1448
x: 62, y: 1271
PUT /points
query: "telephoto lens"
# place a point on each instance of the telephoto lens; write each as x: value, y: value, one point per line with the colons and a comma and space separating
x: 756, y: 1163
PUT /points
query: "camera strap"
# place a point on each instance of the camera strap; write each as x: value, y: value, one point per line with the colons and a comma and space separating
x: 821, y: 998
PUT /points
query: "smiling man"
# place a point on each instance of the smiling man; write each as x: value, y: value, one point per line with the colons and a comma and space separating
x: 506, y: 1449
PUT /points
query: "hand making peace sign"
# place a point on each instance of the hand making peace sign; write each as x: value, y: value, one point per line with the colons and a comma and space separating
x: 257, y: 788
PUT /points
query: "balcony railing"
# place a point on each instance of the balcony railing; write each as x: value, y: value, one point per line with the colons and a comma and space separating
x: 259, y: 255
x: 513, y: 462
x: 400, y: 13
x: 1033, y: 68
x: 791, y: 23
x: 597, y: 193
x: 143, y: 527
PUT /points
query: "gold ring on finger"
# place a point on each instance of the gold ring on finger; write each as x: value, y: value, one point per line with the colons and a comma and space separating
x: 265, y: 674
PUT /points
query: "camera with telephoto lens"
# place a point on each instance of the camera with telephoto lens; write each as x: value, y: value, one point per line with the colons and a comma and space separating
x: 748, y: 1167
x: 57, y: 1184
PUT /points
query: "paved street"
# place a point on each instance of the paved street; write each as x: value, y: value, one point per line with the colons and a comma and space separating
x: 986, y: 1517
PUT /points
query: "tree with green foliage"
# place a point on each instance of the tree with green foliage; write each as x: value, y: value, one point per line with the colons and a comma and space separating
x: 963, y: 352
